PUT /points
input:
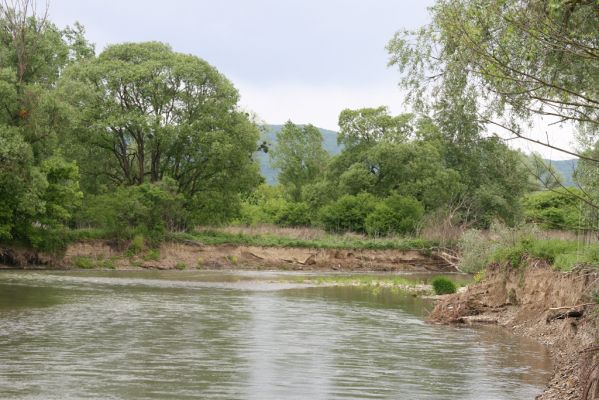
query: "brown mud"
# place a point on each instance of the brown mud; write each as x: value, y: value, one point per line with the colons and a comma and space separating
x: 552, y: 307
x: 105, y: 254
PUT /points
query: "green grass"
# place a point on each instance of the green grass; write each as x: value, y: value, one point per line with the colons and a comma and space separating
x: 442, y: 285
x: 328, y: 242
x: 366, y: 280
x: 83, y: 262
x: 561, y: 254
x: 181, y: 266
x: 152, y: 255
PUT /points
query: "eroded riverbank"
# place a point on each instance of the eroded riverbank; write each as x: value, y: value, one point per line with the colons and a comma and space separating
x: 106, y: 255
x: 537, y: 302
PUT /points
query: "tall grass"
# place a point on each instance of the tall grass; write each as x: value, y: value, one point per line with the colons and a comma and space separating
x: 322, y: 240
x: 515, y: 245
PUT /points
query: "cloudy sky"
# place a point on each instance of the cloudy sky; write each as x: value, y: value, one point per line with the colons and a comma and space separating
x: 303, y: 60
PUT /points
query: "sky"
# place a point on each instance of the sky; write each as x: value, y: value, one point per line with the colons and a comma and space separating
x: 299, y: 60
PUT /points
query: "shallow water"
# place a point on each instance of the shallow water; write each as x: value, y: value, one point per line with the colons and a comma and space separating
x: 180, y: 334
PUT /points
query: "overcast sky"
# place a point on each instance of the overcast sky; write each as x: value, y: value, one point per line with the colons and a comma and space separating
x: 303, y: 60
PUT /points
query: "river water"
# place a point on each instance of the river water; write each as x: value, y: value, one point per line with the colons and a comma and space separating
x: 184, y: 335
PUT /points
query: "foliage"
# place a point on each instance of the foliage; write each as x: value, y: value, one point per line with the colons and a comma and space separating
x: 83, y: 262
x: 394, y: 215
x: 299, y: 155
x: 181, y: 266
x: 555, y: 209
x: 332, y: 241
x: 147, y: 113
x: 442, y: 285
x: 348, y: 213
x: 147, y: 209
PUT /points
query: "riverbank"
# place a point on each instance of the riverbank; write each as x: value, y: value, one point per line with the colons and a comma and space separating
x: 231, y: 256
x: 193, y: 254
x: 554, y: 308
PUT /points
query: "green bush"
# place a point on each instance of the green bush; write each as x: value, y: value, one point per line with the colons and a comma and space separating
x: 181, y: 266
x: 396, y: 214
x: 152, y: 255
x: 138, y: 244
x: 556, y: 209
x: 294, y: 214
x: 148, y: 209
x: 83, y: 262
x: 442, y: 285
x: 348, y: 213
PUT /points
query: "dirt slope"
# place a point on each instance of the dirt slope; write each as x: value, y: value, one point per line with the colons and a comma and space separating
x: 552, y: 307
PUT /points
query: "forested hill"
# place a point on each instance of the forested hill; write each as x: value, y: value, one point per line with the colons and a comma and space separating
x: 270, y: 136
x: 564, y: 167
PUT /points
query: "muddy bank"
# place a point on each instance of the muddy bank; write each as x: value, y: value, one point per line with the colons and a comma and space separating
x: 104, y: 254
x: 552, y: 307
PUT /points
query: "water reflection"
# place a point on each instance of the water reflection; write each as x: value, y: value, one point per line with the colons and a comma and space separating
x: 155, y: 335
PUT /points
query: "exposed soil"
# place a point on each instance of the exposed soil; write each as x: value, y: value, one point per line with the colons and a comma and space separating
x: 552, y: 307
x: 223, y: 257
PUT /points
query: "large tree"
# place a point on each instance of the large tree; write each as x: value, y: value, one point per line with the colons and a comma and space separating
x: 38, y: 189
x: 506, y: 61
x: 147, y: 113
x: 299, y: 155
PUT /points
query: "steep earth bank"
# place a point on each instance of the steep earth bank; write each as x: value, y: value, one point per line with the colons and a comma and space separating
x: 104, y: 254
x: 552, y: 307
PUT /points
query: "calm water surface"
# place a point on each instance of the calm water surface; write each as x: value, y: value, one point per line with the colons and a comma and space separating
x: 173, y: 334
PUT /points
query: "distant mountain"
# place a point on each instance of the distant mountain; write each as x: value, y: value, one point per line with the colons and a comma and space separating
x: 566, y: 169
x: 329, y: 144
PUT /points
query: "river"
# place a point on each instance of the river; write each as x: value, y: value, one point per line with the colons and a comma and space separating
x: 212, y: 335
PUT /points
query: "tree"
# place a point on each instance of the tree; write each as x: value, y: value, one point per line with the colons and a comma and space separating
x: 39, y: 190
x: 147, y: 113
x: 299, y: 155
x: 519, y: 58
x: 372, y: 125
x: 501, y: 64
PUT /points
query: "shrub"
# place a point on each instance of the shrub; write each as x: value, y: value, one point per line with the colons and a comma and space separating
x: 556, y: 209
x: 348, y: 213
x: 152, y: 255
x: 396, y: 214
x: 83, y: 262
x: 442, y: 285
x: 138, y: 244
x: 147, y: 209
x: 293, y: 214
x: 181, y: 266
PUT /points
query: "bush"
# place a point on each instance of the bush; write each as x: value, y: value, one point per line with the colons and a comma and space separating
x: 148, y: 209
x: 442, y: 285
x: 556, y: 209
x: 181, y: 266
x: 396, y: 214
x: 294, y: 214
x: 83, y: 262
x: 348, y: 213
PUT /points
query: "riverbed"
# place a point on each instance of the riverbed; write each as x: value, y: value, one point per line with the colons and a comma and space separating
x: 235, y: 335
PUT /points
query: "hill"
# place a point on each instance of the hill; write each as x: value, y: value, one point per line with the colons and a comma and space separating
x: 566, y: 169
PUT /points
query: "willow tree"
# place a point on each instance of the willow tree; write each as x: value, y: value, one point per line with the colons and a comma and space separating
x: 300, y: 156
x: 147, y: 113
x: 498, y: 66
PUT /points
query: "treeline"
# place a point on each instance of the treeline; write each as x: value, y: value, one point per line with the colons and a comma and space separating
x: 392, y: 174
x: 143, y: 140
